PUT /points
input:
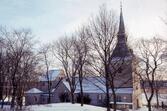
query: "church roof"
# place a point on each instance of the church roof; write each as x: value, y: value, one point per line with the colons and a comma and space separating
x: 121, y: 49
x: 53, y: 74
x: 96, y: 85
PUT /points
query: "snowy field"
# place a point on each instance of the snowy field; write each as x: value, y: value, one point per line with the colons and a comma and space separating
x: 68, y: 107
x: 75, y: 107
x: 72, y: 107
x: 65, y: 107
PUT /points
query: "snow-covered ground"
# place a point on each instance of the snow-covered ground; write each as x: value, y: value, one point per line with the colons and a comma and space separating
x: 68, y: 107
x: 65, y: 107
x: 73, y: 107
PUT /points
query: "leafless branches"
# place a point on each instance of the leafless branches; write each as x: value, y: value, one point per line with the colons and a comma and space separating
x: 150, y: 64
x: 20, y: 62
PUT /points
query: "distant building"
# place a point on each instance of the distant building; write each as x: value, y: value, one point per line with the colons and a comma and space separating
x: 38, y: 91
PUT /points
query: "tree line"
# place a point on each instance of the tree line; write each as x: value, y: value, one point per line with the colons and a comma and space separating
x: 18, y: 64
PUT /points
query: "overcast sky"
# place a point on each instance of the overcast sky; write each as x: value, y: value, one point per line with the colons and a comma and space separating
x: 50, y: 19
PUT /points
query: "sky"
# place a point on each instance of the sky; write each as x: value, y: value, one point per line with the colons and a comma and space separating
x: 51, y: 19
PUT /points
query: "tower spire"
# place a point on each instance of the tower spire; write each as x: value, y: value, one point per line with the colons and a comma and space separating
x: 121, y: 22
x: 121, y: 49
x: 121, y: 5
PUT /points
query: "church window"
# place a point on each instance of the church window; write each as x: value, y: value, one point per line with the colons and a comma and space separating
x: 118, y: 98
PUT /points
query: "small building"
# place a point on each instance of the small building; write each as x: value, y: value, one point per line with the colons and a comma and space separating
x: 38, y: 93
x: 33, y: 96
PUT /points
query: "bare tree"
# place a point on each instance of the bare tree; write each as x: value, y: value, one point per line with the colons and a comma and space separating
x: 82, y: 49
x: 3, y: 69
x: 150, y: 61
x: 103, y: 31
x: 20, y: 62
x: 45, y: 52
x: 64, y: 51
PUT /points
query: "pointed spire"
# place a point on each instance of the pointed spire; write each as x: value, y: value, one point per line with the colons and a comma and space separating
x: 121, y: 49
x: 121, y: 22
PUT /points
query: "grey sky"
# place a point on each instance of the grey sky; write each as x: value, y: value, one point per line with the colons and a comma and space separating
x: 49, y: 19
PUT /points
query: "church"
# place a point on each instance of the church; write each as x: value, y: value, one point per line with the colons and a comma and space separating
x: 127, y: 86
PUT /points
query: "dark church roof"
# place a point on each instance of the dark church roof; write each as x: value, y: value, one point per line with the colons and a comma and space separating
x: 121, y: 49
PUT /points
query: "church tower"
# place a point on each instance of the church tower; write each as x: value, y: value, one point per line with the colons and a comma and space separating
x: 122, y: 57
x: 122, y: 60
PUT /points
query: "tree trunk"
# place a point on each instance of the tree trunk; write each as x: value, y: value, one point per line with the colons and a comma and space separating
x: 1, y: 94
x: 149, y: 105
x: 13, y: 96
x: 115, y: 101
x: 107, y: 98
x: 49, y: 91
x: 157, y: 98
x: 81, y: 91
x: 49, y: 98
x: 107, y: 90
x: 72, y: 97
x: 1, y: 90
x: 81, y: 88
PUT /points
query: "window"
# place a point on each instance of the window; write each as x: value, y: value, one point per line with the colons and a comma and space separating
x: 35, y: 98
x: 125, y: 98
x: 118, y: 98
x: 100, y: 97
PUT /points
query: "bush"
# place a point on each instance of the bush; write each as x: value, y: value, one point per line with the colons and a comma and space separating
x: 86, y: 99
x: 64, y: 97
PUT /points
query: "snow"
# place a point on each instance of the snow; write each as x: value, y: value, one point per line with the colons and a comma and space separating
x: 162, y: 98
x: 141, y: 109
x: 116, y: 59
x: 69, y: 107
x: 53, y: 74
x: 34, y: 91
x: 96, y: 85
x: 60, y: 107
x: 122, y: 103
x: 65, y: 107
